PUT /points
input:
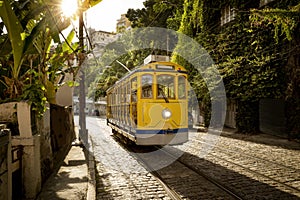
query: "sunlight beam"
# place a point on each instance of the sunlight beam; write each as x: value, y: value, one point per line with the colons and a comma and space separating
x: 69, y: 7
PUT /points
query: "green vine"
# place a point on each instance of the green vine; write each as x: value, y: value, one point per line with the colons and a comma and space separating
x: 250, y: 52
x: 284, y: 21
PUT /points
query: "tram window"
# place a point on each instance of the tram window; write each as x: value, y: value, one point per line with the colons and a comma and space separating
x: 165, y: 86
x: 128, y: 92
x: 118, y: 96
x: 134, y: 90
x: 147, y: 82
x: 114, y: 98
x: 181, y: 87
x: 123, y: 94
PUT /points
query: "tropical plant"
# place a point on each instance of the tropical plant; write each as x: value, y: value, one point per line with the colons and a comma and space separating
x: 32, y: 55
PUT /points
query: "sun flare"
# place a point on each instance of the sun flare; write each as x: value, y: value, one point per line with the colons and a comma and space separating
x: 69, y: 7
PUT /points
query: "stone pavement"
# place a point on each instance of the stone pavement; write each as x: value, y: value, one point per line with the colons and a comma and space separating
x: 74, y: 179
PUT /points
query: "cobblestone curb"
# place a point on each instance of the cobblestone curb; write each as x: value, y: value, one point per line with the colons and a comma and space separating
x: 90, y: 161
x: 91, y: 188
x: 91, y: 184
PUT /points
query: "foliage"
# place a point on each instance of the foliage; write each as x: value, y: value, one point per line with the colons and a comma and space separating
x: 86, y: 4
x: 283, y: 20
x: 35, y: 93
x: 114, y: 71
x: 156, y: 13
x: 250, y: 66
x: 15, y: 32
x: 30, y: 65
x: 249, y: 59
x: 130, y: 49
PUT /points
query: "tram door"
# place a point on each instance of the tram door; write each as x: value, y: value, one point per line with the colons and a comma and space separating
x: 133, y: 103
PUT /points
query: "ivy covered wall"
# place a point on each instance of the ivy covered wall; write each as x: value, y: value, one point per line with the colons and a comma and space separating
x: 253, y: 55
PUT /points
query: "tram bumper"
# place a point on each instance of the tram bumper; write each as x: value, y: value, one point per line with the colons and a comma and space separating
x: 161, y: 137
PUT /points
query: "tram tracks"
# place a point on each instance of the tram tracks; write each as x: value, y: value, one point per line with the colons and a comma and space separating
x: 210, y: 179
x: 197, y: 184
x: 234, y: 170
x: 132, y: 148
x: 119, y: 175
x: 172, y: 193
x: 247, y: 154
x: 277, y: 175
x: 183, y: 183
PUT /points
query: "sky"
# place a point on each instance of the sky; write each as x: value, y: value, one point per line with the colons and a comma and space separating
x: 104, y: 16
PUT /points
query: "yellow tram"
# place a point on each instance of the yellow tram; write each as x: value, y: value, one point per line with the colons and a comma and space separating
x: 149, y: 105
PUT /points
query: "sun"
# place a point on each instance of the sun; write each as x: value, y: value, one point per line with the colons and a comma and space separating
x: 69, y: 7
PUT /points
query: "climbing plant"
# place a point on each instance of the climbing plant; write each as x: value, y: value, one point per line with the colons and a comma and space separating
x: 249, y: 53
x: 284, y: 19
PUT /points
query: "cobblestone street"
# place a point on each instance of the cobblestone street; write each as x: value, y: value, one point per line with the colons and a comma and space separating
x: 254, y: 167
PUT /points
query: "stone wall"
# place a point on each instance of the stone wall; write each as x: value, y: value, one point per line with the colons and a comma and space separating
x: 5, y: 176
x: 44, y: 142
x: 62, y: 131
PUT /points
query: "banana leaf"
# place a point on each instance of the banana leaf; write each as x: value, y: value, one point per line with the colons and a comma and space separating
x: 15, y: 34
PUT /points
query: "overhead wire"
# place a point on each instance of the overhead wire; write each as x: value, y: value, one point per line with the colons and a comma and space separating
x: 90, y: 43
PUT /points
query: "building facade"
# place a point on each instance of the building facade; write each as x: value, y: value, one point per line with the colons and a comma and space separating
x: 123, y: 24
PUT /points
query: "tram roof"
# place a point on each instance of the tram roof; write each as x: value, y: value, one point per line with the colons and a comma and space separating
x: 154, y: 67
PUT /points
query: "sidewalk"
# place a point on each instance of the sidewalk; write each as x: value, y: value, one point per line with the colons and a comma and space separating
x: 74, y: 179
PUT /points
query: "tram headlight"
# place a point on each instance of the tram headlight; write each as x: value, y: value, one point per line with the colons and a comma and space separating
x: 166, y: 113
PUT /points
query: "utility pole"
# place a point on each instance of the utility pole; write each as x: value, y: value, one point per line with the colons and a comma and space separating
x: 82, y: 116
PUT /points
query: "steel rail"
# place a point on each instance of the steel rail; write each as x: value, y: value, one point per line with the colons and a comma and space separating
x: 210, y: 179
x: 172, y: 194
x: 247, y: 155
x: 255, y: 172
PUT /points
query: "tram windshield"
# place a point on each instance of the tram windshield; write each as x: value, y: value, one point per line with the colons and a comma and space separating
x: 147, y: 82
x: 165, y: 87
